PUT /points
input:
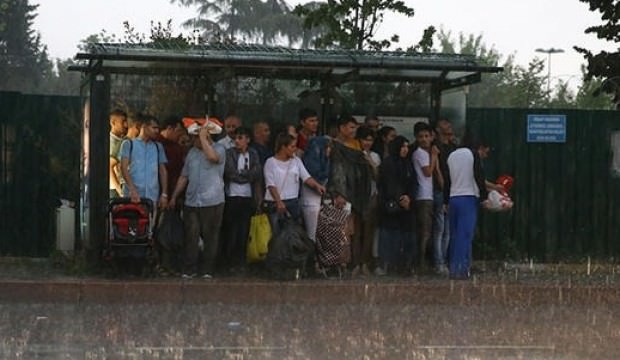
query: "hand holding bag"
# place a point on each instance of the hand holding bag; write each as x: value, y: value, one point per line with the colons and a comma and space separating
x: 392, y: 206
x: 260, y: 235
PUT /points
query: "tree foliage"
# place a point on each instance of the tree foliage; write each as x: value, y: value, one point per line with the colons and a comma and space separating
x: 352, y: 24
x: 517, y: 86
x: 23, y: 58
x: 605, y: 65
x: 257, y: 21
x: 513, y: 87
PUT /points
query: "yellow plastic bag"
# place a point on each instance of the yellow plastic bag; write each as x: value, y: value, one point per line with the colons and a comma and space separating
x: 260, y: 234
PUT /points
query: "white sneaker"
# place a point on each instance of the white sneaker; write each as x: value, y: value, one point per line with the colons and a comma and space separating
x: 188, y: 276
x: 207, y: 276
x: 380, y: 271
x: 442, y: 270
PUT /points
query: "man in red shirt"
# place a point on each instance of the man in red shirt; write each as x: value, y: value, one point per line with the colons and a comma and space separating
x: 308, y: 127
x: 171, y: 131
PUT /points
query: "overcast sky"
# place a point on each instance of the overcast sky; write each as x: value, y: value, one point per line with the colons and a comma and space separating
x: 511, y: 27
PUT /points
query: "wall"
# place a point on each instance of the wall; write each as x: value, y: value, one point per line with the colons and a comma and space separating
x: 565, y: 194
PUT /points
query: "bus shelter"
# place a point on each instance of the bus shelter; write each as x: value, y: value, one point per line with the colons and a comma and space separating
x: 148, y: 75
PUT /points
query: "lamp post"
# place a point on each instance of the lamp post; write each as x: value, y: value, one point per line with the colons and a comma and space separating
x: 549, y: 52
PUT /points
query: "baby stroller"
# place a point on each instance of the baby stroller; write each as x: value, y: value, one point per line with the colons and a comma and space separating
x: 130, y: 241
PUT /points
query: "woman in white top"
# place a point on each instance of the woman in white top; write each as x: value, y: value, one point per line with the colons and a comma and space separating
x: 282, y: 174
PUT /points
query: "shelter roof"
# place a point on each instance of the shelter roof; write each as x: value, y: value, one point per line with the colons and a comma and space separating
x: 219, y: 61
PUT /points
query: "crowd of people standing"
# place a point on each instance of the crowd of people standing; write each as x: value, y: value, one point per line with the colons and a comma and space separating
x: 412, y: 205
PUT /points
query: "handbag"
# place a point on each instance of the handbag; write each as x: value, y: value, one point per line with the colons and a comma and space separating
x: 260, y: 235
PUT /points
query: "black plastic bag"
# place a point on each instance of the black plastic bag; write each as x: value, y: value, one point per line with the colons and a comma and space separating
x: 289, y: 251
x: 170, y: 230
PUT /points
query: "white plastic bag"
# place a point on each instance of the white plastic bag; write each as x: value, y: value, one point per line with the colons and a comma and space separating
x: 498, y: 201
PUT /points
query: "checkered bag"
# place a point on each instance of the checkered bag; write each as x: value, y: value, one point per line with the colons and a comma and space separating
x: 332, y: 244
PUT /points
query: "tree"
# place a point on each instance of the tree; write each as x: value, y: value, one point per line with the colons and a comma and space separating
x: 515, y: 86
x: 509, y: 88
x: 266, y: 22
x: 23, y: 59
x: 352, y: 24
x: 59, y: 80
x: 605, y: 65
x: 584, y: 98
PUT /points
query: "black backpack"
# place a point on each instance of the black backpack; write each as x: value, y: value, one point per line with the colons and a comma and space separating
x: 289, y: 251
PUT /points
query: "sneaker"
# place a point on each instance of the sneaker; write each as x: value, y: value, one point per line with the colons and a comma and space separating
x: 442, y: 270
x: 380, y: 271
x: 188, y: 276
x: 464, y: 276
x: 207, y: 276
x: 356, y: 271
x: 365, y: 270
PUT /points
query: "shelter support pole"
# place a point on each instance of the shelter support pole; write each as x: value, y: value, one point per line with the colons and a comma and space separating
x: 435, y: 104
x: 327, y: 108
x: 98, y: 160
x: 210, y: 100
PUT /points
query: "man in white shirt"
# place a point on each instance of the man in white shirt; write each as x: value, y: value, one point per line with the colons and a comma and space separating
x: 425, y: 162
x: 463, y: 189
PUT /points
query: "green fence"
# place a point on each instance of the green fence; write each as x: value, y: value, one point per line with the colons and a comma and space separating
x: 566, y: 194
x: 39, y: 163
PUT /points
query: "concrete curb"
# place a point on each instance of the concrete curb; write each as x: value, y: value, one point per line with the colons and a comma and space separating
x: 309, y: 292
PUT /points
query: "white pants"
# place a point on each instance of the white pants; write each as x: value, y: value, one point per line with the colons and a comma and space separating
x: 310, y: 202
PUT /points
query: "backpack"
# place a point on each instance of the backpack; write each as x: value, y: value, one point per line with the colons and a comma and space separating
x: 170, y: 230
x: 157, y: 145
x: 289, y: 251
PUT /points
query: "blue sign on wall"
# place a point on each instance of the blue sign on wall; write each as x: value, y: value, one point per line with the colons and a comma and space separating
x: 546, y: 128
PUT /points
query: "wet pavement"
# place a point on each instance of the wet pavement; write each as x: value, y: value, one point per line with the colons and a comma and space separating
x: 510, y: 312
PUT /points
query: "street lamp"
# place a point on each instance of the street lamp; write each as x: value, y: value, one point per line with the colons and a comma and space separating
x: 549, y: 52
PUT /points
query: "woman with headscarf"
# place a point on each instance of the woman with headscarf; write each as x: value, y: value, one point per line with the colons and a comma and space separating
x: 397, y: 188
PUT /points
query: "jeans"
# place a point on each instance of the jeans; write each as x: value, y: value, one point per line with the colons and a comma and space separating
x: 293, y: 208
x: 463, y: 216
x: 441, y: 230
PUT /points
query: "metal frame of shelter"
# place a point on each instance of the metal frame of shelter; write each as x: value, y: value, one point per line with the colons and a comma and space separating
x: 219, y: 62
